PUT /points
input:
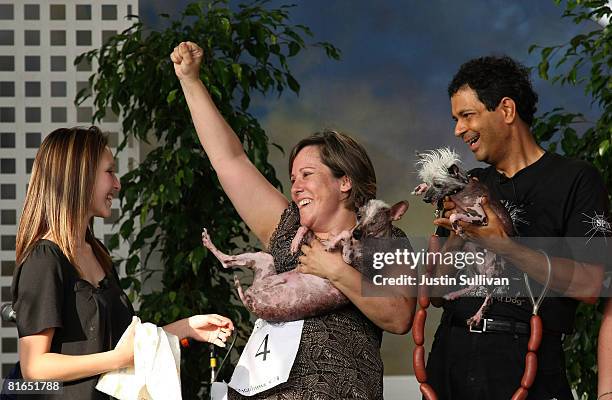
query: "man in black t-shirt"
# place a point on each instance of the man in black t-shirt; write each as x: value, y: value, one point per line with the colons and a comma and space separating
x: 551, y: 196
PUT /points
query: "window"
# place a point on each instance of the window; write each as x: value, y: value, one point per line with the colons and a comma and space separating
x: 58, y: 89
x: 83, y: 12
x: 110, y: 116
x: 32, y: 140
x: 31, y: 11
x: 7, y: 89
x: 106, y: 35
x: 59, y: 114
x: 57, y: 12
x: 7, y: 114
x: 32, y: 89
x: 6, y: 368
x: 109, y: 12
x: 9, y: 345
x: 7, y: 243
x: 9, y: 217
x: 58, y: 38
x: 83, y: 38
x: 5, y: 294
x: 7, y: 63
x: 29, y: 165
x: 83, y: 86
x: 7, y: 37
x: 32, y: 114
x: 8, y: 191
x: 84, y: 65
x: 107, y: 240
x: 32, y: 63
x: 58, y: 63
x: 31, y: 38
x: 8, y: 267
x: 7, y: 11
x: 7, y: 140
x: 84, y: 114
x: 7, y: 165
x: 113, y: 139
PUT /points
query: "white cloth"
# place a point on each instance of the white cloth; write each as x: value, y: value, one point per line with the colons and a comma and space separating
x: 156, y: 372
x: 218, y: 391
x: 267, y: 357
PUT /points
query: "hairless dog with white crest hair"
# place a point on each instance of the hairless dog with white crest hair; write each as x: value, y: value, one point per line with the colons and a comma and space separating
x: 293, y: 295
x: 442, y: 176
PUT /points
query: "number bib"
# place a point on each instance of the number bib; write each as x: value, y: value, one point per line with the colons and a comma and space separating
x: 268, y: 356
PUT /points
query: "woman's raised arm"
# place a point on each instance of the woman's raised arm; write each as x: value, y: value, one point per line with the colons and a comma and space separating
x: 259, y: 204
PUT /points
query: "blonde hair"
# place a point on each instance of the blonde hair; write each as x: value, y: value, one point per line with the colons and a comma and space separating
x: 59, y: 194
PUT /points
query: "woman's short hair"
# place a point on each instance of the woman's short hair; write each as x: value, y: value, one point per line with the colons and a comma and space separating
x: 344, y: 156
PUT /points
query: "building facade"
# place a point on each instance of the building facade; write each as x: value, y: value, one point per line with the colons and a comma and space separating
x: 39, y: 41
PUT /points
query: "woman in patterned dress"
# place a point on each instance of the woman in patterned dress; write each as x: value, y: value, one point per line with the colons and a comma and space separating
x: 331, y: 176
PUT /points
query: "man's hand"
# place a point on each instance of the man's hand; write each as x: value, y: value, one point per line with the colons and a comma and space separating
x: 187, y: 57
x: 454, y: 241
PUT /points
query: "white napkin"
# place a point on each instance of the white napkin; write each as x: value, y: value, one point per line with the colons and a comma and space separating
x: 156, y: 372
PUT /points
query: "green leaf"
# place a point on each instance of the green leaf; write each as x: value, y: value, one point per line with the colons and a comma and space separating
x: 171, y: 96
x: 192, y: 9
x: 225, y: 25
x: 237, y: 70
x: 293, y: 84
x: 132, y: 265
x: 294, y: 48
x: 543, y: 69
x: 113, y: 243
x: 604, y: 147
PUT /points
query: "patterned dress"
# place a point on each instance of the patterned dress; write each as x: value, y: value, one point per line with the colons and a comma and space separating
x: 339, y: 353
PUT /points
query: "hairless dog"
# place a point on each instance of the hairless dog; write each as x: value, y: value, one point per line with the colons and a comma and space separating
x: 292, y: 295
x: 442, y: 176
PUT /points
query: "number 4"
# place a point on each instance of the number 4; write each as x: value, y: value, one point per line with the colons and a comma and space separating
x: 265, y: 350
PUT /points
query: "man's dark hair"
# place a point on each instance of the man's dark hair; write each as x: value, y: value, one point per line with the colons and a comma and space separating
x: 493, y: 78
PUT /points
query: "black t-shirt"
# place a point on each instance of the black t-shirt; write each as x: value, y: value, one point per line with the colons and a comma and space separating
x: 48, y: 293
x: 555, y: 197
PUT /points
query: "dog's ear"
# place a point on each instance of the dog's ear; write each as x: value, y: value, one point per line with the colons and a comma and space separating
x: 398, y: 210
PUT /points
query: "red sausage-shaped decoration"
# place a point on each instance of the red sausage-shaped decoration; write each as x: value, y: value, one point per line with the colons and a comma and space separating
x: 531, y: 369
x: 520, y: 394
x: 418, y: 363
x: 535, y: 338
x: 428, y: 392
x: 418, y: 328
x: 423, y: 296
x: 433, y: 247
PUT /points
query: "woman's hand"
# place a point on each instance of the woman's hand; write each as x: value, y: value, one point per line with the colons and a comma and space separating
x: 125, y: 349
x: 316, y: 261
x: 211, y: 328
x: 187, y: 57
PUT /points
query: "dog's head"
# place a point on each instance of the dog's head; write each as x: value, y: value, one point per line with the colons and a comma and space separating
x: 375, y: 218
x: 440, y: 171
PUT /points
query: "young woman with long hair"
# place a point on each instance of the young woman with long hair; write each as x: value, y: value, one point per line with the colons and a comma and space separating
x: 70, y: 308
